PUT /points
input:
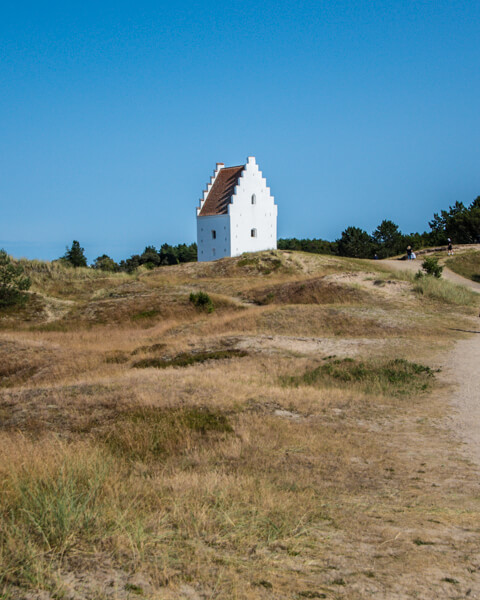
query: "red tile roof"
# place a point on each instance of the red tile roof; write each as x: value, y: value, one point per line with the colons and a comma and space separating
x: 222, y: 190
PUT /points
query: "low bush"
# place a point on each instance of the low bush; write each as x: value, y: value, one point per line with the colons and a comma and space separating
x: 431, y: 267
x: 202, y: 301
x: 13, y: 282
x: 398, y: 376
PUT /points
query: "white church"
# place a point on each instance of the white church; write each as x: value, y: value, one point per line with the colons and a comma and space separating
x: 236, y: 214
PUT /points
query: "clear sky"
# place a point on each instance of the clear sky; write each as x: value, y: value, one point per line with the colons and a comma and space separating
x: 113, y: 115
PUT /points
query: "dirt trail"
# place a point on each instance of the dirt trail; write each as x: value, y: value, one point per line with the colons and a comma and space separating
x: 461, y: 366
x: 416, y: 265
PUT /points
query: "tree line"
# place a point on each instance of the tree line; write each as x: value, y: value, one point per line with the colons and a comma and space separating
x: 150, y: 258
x: 460, y: 223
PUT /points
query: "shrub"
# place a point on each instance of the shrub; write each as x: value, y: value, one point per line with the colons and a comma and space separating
x: 12, y: 282
x: 431, y: 267
x: 202, y: 301
x: 396, y: 377
x: 105, y: 263
x: 75, y: 256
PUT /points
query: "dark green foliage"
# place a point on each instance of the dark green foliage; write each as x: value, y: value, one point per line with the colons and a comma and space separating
x: 460, y: 223
x: 397, y: 376
x: 75, y: 256
x: 167, y: 255
x: 105, y: 263
x: 316, y: 246
x: 185, y: 359
x: 388, y: 240
x: 12, y: 282
x: 431, y: 267
x: 202, y: 301
x: 355, y: 242
x: 150, y: 257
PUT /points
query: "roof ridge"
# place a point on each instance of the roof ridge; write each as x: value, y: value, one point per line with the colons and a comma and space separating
x: 221, y: 192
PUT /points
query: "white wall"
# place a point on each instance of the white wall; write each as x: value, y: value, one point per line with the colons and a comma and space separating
x: 246, y: 216
x: 233, y: 231
x: 209, y: 248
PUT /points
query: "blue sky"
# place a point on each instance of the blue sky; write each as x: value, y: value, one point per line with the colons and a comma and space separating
x: 113, y: 115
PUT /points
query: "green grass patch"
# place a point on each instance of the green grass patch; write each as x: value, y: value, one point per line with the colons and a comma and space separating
x: 145, y: 314
x: 467, y: 265
x: 186, y: 359
x: 262, y: 263
x: 397, y: 376
x: 48, y: 508
x: 441, y: 289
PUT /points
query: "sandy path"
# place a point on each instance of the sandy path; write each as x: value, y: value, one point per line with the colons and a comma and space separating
x: 461, y: 367
x: 416, y: 265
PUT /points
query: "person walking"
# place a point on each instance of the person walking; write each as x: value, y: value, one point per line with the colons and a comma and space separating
x: 409, y: 253
x: 449, y: 247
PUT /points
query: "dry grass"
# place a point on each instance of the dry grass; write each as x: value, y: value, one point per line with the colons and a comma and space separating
x: 271, y: 472
x: 466, y: 264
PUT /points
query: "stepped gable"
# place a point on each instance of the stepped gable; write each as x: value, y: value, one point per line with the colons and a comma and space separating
x: 222, y: 191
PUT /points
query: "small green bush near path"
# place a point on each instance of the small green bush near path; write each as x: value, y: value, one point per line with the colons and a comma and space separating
x: 202, y: 301
x: 431, y: 267
x: 13, y: 282
x: 398, y: 376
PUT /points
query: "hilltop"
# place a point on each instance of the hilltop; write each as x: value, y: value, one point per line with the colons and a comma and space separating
x: 267, y: 426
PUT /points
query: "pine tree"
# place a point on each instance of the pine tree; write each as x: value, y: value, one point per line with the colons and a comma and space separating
x: 75, y: 255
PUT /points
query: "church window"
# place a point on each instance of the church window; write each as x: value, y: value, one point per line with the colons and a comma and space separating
x: 254, y: 199
x: 214, y: 234
x: 253, y: 233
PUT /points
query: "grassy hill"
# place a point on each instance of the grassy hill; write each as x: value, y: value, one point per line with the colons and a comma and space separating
x: 287, y: 444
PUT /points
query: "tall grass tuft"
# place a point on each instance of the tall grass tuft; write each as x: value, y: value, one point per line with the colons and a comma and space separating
x: 445, y: 291
x: 440, y: 289
x: 50, y: 501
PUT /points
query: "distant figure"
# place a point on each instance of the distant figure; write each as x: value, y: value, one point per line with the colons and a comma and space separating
x: 449, y: 247
x: 375, y: 257
x: 409, y: 253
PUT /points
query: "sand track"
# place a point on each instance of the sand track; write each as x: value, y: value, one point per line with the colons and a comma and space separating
x: 462, y: 368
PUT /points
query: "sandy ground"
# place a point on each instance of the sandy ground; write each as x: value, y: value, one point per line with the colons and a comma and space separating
x: 462, y: 368
x: 416, y: 265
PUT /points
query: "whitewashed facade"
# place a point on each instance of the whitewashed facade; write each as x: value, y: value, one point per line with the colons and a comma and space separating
x: 237, y: 213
